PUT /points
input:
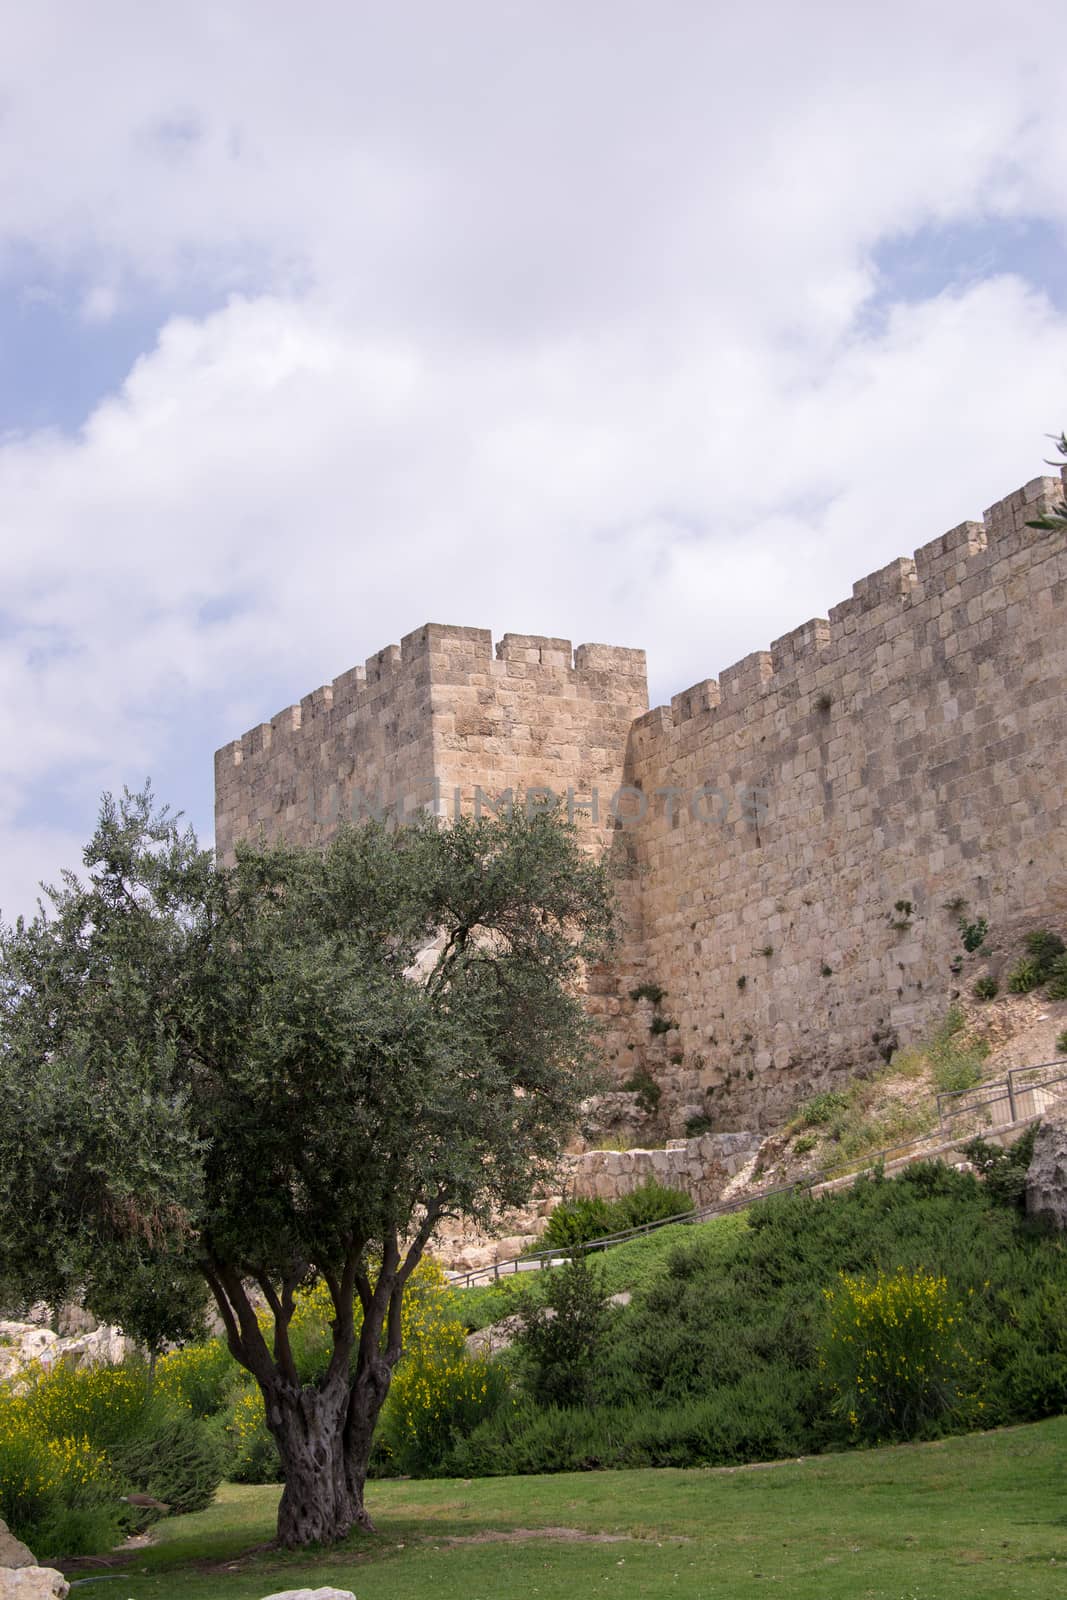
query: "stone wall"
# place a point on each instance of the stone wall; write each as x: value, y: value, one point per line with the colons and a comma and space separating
x: 910, y: 760
x: 425, y: 723
x: 702, y: 1167
x: 826, y: 810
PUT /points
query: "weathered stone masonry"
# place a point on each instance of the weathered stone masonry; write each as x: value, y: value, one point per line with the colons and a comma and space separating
x: 910, y: 756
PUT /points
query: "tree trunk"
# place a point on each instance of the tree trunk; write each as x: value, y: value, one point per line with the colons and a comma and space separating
x: 317, y: 1504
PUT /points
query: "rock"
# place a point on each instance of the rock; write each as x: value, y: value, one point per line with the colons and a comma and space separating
x: 32, y: 1583
x: 311, y: 1594
x: 13, y: 1553
x: 1046, y: 1178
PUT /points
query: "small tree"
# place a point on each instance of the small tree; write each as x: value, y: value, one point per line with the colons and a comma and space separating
x: 1056, y: 519
x: 288, y: 1072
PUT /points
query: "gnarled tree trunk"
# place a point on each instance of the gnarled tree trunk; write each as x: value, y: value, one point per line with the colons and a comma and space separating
x: 308, y: 1426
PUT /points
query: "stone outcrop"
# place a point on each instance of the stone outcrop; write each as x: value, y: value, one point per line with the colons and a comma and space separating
x: 32, y: 1583
x: 13, y: 1553
x: 1046, y: 1179
x: 23, y: 1343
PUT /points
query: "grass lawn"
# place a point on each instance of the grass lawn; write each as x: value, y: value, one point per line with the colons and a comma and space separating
x: 984, y: 1515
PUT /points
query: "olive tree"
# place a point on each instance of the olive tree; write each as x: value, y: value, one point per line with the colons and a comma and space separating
x: 288, y: 1071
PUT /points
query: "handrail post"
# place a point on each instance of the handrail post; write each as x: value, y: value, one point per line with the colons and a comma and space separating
x: 1011, y: 1093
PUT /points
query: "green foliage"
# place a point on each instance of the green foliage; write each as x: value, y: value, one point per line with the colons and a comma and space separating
x: 177, y: 1460
x: 200, y: 1376
x: 439, y: 1395
x: 695, y: 1126
x: 98, y: 1433
x: 822, y: 1108
x: 644, y: 1086
x: 1044, y: 948
x: 973, y: 934
x: 1056, y: 983
x: 648, y: 991
x: 717, y: 1357
x: 561, y: 1336
x: 1054, y: 521
x: 805, y: 1144
x: 955, y: 1058
x: 252, y: 1453
x: 1004, y: 1170
x: 203, y: 1068
x: 1025, y: 977
x: 986, y: 987
x: 577, y: 1222
x: 1061, y: 1042
x: 57, y: 1493
x: 660, y: 1025
x: 894, y: 1356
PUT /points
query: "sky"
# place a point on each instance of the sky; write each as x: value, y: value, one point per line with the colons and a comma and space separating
x: 650, y: 324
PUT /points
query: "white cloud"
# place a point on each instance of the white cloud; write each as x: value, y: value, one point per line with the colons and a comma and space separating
x: 551, y: 321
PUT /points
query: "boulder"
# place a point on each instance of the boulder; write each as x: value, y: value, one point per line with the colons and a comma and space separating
x: 13, y: 1553
x: 32, y: 1583
x: 311, y: 1594
x: 1046, y: 1178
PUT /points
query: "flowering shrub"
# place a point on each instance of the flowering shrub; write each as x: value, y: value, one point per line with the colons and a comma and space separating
x: 199, y: 1376
x: 56, y: 1492
x: 894, y: 1354
x: 253, y: 1454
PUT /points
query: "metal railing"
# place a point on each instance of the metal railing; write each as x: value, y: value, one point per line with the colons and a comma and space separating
x: 1024, y: 1101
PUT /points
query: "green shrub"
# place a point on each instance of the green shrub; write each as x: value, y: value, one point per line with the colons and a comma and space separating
x: 58, y: 1493
x: 695, y: 1126
x: 894, y: 1356
x: 648, y: 991
x: 177, y: 1460
x: 648, y: 1092
x: 438, y: 1396
x: 973, y: 934
x: 1025, y: 977
x: 560, y: 1337
x: 579, y: 1221
x: 151, y: 1440
x: 1004, y: 1170
x: 200, y: 1376
x: 986, y: 988
x: 253, y: 1454
x: 1061, y: 1043
x: 661, y: 1025
x: 822, y: 1108
x: 805, y: 1144
x: 1057, y: 979
x: 1044, y: 948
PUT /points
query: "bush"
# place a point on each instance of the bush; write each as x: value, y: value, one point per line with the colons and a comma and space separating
x: 1057, y: 979
x: 648, y: 1092
x: 200, y: 1376
x: 1025, y: 977
x: 253, y: 1455
x: 177, y: 1460
x: 986, y: 988
x: 576, y: 1222
x: 822, y: 1108
x: 894, y: 1356
x: 58, y: 1494
x: 1061, y: 1042
x: 438, y: 1396
x: 580, y: 1221
x: 1004, y: 1171
x: 1044, y: 949
x: 560, y: 1337
x: 973, y: 933
x: 152, y: 1442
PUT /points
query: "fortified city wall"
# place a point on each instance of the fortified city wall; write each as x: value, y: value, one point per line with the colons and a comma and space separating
x: 828, y: 809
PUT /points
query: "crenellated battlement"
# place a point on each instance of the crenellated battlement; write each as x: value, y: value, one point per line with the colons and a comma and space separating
x: 971, y: 551
x: 909, y: 750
